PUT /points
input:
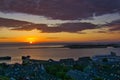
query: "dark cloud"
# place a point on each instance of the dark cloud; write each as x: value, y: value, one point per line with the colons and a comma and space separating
x: 61, y: 9
x: 114, y: 26
x: 71, y: 27
x: 11, y: 23
x: 19, y: 25
x: 66, y: 27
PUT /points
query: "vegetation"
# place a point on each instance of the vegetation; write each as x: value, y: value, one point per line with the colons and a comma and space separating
x: 59, y: 71
x: 4, y: 78
x: 97, y: 78
x: 105, y: 60
x: 79, y: 67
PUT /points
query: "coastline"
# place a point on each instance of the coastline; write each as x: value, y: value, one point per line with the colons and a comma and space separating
x: 64, y: 69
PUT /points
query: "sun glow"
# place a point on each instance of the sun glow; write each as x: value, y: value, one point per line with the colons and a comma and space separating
x: 31, y: 40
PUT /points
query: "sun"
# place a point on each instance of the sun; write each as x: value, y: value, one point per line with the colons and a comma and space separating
x: 31, y: 40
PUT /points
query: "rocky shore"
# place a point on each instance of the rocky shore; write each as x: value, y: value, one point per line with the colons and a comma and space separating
x: 99, y: 67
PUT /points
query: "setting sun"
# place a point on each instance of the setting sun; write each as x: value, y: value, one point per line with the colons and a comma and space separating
x: 31, y: 40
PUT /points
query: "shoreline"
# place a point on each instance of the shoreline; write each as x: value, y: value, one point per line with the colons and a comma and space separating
x: 85, y: 68
x: 9, y: 58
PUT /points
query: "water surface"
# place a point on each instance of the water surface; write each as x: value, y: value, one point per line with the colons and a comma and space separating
x: 52, y: 53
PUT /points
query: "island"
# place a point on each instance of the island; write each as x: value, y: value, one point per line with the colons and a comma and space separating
x: 78, y: 46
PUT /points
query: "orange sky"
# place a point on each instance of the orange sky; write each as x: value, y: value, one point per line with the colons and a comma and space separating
x: 36, y: 36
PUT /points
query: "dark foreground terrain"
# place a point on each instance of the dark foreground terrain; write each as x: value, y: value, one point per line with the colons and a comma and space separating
x: 101, y: 67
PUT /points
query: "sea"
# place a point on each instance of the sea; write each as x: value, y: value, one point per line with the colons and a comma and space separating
x: 46, y: 52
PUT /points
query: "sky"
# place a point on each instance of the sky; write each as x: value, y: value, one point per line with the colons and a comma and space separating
x: 41, y: 21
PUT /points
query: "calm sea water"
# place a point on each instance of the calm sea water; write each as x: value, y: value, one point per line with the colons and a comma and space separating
x: 51, y: 53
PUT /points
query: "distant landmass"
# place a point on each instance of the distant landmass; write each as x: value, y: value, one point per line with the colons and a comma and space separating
x: 74, y: 46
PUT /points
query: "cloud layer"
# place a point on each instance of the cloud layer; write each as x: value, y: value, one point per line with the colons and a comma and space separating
x: 114, y: 26
x: 66, y: 27
x: 61, y: 9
